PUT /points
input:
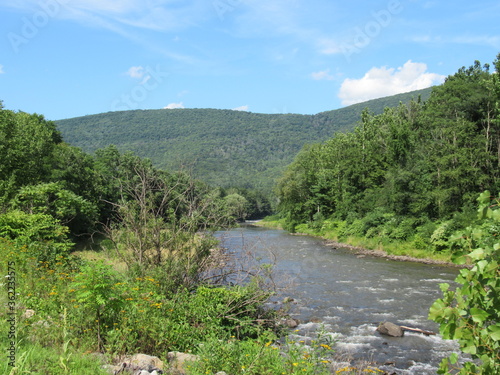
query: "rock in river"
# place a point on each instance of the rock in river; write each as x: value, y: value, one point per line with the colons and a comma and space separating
x: 390, y: 329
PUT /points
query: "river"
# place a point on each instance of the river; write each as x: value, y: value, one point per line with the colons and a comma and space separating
x: 349, y: 296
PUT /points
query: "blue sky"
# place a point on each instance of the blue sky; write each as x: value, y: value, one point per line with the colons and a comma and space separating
x: 67, y: 58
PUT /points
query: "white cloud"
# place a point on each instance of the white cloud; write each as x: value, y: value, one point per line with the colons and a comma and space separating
x: 1, y: 69
x: 174, y: 106
x: 380, y: 82
x: 242, y: 108
x: 323, y: 75
x: 136, y: 72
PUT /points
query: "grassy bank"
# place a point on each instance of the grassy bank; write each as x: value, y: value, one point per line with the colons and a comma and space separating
x: 72, y: 313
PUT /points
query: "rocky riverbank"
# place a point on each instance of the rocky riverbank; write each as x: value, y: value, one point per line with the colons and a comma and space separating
x: 361, y: 252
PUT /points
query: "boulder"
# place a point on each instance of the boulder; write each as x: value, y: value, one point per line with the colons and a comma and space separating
x: 179, y: 361
x: 390, y: 329
x: 28, y: 313
x: 291, y: 323
x: 146, y: 362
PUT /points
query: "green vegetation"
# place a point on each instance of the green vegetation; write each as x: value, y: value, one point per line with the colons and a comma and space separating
x: 153, y: 283
x: 470, y: 314
x: 222, y: 147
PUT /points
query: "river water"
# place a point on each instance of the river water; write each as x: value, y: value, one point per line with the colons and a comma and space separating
x: 335, y: 290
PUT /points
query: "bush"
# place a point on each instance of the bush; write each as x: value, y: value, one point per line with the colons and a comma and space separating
x: 470, y: 314
x: 44, y: 236
x: 263, y: 356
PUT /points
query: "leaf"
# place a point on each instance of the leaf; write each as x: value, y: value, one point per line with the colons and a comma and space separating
x: 444, y: 287
x: 478, y: 315
x: 495, y: 332
x: 453, y: 358
x: 470, y: 349
x: 435, y: 311
x: 477, y: 254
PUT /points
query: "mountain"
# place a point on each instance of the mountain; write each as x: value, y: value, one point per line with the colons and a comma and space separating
x: 221, y: 147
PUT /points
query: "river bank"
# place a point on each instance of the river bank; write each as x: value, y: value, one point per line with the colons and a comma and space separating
x: 369, y: 247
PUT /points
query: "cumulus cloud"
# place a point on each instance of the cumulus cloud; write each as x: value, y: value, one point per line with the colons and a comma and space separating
x: 1, y: 69
x: 323, y: 75
x: 136, y: 72
x: 384, y: 81
x: 242, y: 108
x: 174, y: 106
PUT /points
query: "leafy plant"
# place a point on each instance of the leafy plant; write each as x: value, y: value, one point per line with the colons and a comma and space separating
x: 97, y: 290
x: 471, y: 314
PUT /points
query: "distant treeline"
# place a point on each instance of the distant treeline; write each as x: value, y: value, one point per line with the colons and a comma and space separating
x: 221, y: 147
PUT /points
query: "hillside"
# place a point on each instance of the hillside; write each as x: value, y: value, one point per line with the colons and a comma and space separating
x: 221, y: 147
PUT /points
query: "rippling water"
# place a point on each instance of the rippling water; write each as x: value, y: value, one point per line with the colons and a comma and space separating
x: 350, y: 296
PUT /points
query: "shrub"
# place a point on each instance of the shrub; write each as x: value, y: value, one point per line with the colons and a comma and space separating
x: 470, y: 313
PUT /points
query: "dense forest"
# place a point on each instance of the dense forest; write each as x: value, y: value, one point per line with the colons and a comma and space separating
x: 221, y: 147
x: 400, y: 172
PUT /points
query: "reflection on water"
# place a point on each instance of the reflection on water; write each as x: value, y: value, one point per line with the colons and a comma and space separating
x: 350, y: 296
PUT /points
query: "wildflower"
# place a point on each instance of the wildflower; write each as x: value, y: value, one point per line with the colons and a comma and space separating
x: 326, y: 346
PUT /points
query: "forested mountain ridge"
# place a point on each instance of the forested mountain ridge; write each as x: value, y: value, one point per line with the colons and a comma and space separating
x: 221, y: 147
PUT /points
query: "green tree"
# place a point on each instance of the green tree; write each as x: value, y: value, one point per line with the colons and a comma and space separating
x: 26, y: 145
x: 237, y: 206
x: 71, y: 210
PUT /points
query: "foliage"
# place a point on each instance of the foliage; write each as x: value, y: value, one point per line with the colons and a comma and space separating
x: 96, y: 289
x: 262, y: 356
x: 24, y: 159
x: 51, y: 199
x: 470, y: 314
x: 43, y: 235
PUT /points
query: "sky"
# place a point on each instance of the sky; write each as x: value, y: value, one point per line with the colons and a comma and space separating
x: 69, y: 58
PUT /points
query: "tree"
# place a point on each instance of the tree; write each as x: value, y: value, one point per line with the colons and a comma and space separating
x: 237, y: 206
x: 71, y: 210
x: 158, y: 216
x: 26, y: 145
